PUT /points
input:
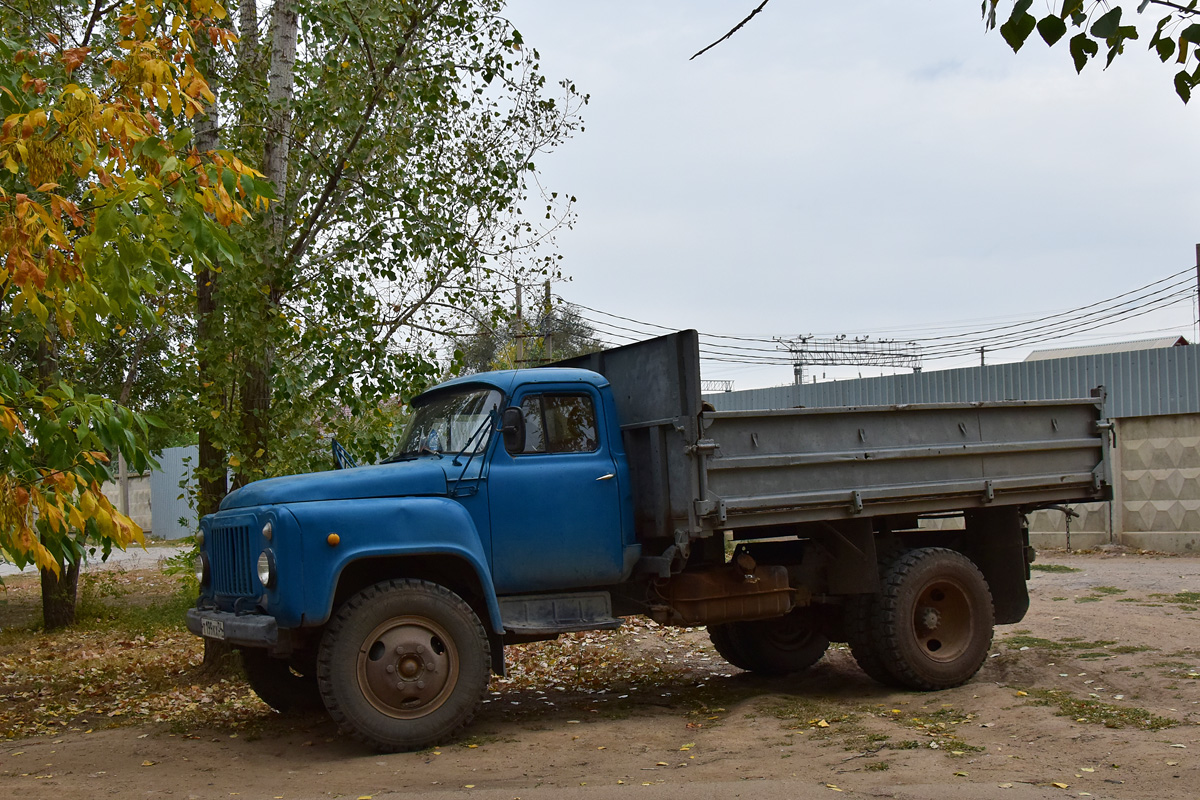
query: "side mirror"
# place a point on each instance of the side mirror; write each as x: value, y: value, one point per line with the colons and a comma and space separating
x: 512, y: 427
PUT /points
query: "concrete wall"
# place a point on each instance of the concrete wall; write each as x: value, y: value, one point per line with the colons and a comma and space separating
x: 1156, y: 492
x: 139, y: 498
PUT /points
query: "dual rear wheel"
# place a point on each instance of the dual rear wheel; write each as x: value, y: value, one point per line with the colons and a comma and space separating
x: 929, y: 627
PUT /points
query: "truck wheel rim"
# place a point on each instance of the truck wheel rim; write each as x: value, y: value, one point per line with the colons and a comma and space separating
x: 941, y: 621
x: 407, y: 667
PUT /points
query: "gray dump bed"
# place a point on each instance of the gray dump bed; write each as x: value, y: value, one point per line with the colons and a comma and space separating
x: 699, y: 470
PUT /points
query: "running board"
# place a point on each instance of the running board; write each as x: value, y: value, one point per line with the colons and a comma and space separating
x: 539, y: 614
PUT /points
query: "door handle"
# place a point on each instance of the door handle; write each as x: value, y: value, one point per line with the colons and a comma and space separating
x: 607, y: 477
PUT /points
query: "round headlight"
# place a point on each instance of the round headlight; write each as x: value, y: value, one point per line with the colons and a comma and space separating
x: 202, y: 569
x: 266, y: 569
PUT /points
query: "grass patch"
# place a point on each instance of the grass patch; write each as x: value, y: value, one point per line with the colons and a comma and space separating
x: 1069, y: 643
x: 1131, y: 648
x: 1053, y: 568
x: 940, y: 727
x: 1107, y: 590
x: 1097, y: 713
x: 1091, y: 598
x: 876, y: 766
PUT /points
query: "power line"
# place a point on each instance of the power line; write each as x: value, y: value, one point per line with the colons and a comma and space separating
x: 1153, y: 296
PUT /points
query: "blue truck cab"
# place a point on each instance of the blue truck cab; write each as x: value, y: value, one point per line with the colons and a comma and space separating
x: 520, y: 505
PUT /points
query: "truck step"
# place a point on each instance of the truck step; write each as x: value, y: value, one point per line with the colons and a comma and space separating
x: 536, y: 614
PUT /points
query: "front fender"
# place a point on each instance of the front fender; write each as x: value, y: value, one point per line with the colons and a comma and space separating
x: 384, y: 527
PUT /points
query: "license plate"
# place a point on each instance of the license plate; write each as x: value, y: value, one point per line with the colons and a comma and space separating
x: 212, y: 628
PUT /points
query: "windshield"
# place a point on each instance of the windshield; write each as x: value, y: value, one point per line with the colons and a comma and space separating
x: 449, y: 423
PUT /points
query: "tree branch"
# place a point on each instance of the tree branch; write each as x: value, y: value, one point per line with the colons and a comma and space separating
x: 734, y: 30
x: 335, y: 177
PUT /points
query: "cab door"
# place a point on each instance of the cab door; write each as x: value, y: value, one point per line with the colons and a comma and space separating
x: 555, y: 504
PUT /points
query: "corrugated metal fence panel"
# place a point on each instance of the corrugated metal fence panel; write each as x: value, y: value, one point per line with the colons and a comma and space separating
x: 1139, y: 383
x: 168, y: 502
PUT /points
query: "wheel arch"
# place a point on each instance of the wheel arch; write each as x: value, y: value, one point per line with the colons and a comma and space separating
x: 450, y: 570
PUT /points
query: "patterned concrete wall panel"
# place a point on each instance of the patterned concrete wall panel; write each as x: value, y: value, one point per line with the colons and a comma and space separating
x: 1093, y: 518
x: 1160, y: 475
x: 139, y: 498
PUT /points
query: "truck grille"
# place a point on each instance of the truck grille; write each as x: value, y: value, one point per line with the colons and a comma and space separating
x: 232, y: 559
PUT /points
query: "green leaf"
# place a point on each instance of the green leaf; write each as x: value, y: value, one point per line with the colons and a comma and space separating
x: 1019, y: 25
x: 1082, y: 48
x: 1107, y: 25
x: 1191, y: 34
x: 1183, y: 85
x: 1164, y: 46
x: 1070, y: 7
x: 1052, y: 29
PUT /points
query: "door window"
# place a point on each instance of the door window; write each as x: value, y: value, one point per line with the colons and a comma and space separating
x: 559, y: 423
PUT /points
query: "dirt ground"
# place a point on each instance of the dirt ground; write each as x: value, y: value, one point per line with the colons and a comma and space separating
x: 1096, y: 694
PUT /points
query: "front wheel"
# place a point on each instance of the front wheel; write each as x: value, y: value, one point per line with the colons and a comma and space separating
x: 778, y: 646
x: 934, y: 620
x: 403, y: 665
x: 286, y: 685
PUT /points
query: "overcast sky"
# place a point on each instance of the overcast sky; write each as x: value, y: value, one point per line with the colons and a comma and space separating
x: 882, y: 168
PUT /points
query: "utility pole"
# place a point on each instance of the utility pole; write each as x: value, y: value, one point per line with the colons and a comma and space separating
x: 981, y: 352
x: 548, y: 321
x: 520, y: 335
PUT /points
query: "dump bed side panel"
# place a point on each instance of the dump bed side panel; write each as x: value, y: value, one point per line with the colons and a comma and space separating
x: 800, y: 465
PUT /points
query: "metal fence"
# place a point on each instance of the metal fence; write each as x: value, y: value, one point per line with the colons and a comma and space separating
x: 1138, y: 383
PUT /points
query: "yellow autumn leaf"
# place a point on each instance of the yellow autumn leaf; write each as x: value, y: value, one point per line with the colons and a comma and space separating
x: 1060, y: 785
x: 234, y: 461
x: 215, y: 414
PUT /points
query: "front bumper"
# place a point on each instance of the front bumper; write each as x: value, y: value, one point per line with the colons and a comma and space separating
x: 241, y: 630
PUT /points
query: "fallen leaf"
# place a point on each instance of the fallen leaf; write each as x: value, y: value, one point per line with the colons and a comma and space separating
x: 1060, y: 785
x: 832, y: 786
x: 149, y: 763
x: 822, y: 724
x: 960, y: 774
x: 688, y: 746
x: 1005, y: 785
x: 661, y: 764
x: 1022, y: 694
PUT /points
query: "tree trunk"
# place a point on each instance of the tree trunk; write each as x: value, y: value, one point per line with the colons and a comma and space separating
x: 59, y: 593
x: 211, y: 469
x: 211, y: 476
x: 256, y: 384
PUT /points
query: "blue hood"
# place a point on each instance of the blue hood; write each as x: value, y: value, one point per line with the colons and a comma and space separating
x: 423, y: 476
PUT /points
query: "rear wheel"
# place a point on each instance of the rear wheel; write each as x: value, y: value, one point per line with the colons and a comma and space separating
x: 778, y: 646
x: 285, y: 684
x: 934, y: 620
x: 403, y: 665
x: 860, y: 614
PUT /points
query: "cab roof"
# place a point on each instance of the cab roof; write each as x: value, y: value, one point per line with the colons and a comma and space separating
x: 508, y: 379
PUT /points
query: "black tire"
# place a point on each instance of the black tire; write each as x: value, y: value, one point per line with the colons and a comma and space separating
x: 419, y: 635
x: 934, y: 620
x: 778, y: 646
x: 286, y: 685
x: 859, y: 618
